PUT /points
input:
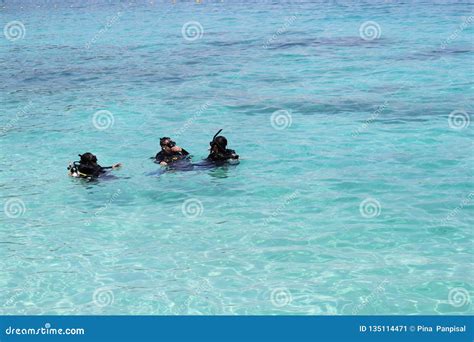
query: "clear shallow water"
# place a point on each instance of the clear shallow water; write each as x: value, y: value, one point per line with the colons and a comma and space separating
x: 283, y: 231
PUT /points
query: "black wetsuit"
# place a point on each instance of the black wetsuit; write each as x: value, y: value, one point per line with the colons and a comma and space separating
x: 213, y: 160
x: 168, y: 158
x: 92, y: 170
x: 223, y: 156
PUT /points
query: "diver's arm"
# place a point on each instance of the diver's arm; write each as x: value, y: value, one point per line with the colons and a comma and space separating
x: 113, y: 167
x: 179, y: 149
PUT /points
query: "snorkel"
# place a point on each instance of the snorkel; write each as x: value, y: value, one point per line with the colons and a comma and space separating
x: 219, y: 149
x: 215, y: 135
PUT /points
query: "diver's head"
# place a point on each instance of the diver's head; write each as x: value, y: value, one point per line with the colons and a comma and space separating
x: 220, y: 143
x: 88, y: 158
x: 166, y: 144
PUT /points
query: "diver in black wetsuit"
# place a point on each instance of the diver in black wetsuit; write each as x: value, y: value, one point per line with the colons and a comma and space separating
x: 170, y: 152
x: 87, y: 167
x: 219, y: 153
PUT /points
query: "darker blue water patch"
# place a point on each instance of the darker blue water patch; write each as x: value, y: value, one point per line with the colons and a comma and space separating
x: 325, y: 42
x: 232, y: 43
x: 304, y: 106
x: 435, y: 53
x: 253, y: 109
x: 397, y: 121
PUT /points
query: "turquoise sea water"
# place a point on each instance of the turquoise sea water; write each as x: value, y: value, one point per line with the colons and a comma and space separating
x: 354, y: 194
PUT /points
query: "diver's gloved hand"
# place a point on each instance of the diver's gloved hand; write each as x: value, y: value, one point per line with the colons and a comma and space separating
x: 116, y: 166
x: 230, y: 154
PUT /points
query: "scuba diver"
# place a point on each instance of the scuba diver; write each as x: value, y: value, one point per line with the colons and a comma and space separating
x: 87, y: 167
x: 219, y: 153
x: 170, y: 152
x: 180, y: 159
